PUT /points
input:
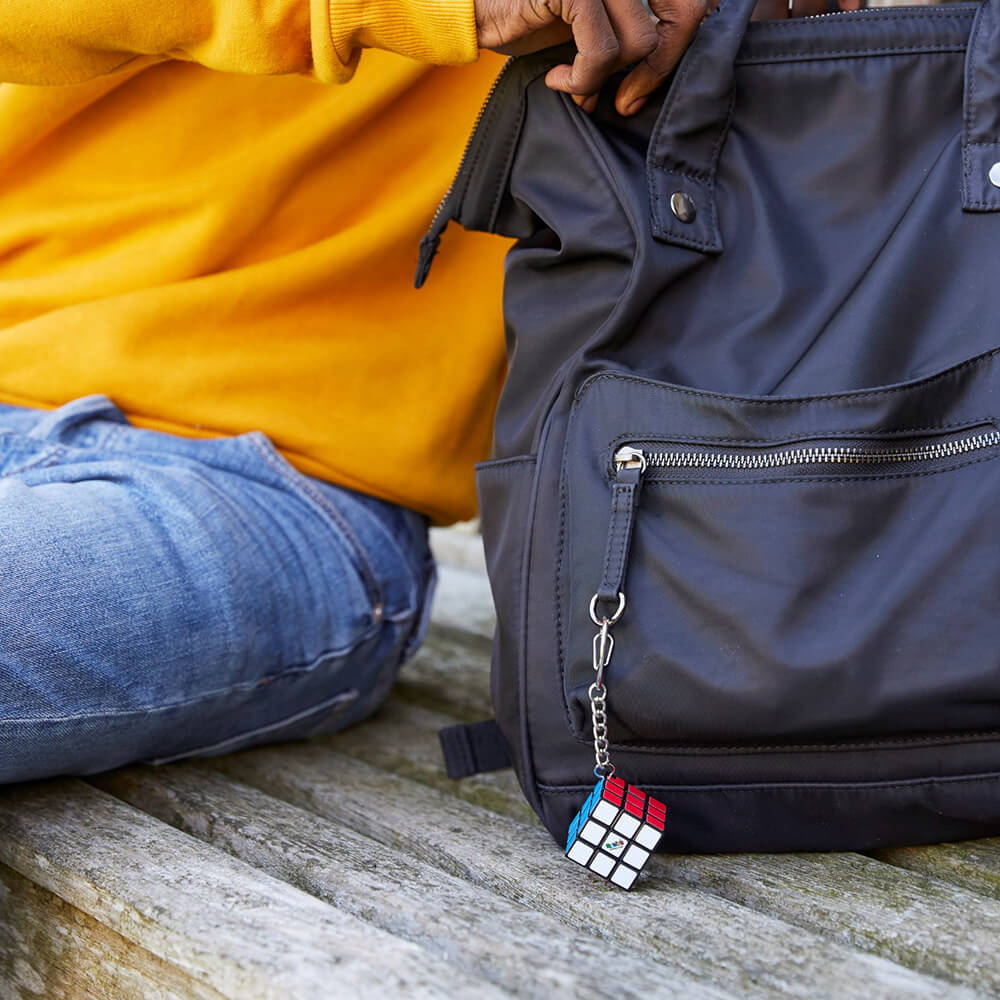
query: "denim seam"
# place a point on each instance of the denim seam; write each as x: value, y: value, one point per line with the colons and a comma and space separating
x: 58, y: 452
x: 205, y: 695
x: 338, y: 704
x: 304, y: 489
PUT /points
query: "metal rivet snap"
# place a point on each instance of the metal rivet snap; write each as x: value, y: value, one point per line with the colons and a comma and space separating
x: 684, y: 208
x: 995, y: 175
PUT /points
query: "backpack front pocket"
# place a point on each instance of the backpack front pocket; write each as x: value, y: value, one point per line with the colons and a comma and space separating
x: 811, y: 571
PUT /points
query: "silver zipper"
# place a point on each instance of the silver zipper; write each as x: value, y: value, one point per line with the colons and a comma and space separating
x: 630, y: 457
x: 470, y: 140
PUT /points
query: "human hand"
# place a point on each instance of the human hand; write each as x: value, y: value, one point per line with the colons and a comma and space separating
x: 609, y: 35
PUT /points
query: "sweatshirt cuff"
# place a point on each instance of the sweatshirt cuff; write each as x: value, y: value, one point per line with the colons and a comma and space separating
x: 442, y: 32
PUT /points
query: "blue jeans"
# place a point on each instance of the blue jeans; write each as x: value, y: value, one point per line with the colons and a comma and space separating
x: 163, y: 597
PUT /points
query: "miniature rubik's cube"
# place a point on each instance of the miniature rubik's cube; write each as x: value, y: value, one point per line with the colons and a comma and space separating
x: 615, y: 831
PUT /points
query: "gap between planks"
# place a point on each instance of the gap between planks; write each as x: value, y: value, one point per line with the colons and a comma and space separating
x: 520, y: 949
x: 924, y: 921
x: 219, y: 920
x: 704, y: 936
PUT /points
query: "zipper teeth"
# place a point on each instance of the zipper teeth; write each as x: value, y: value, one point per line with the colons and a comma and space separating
x: 472, y: 135
x: 836, y: 455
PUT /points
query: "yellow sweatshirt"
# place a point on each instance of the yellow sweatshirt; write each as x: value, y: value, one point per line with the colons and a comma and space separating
x: 195, y: 223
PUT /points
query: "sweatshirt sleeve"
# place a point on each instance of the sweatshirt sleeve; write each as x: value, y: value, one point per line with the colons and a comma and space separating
x: 69, y: 41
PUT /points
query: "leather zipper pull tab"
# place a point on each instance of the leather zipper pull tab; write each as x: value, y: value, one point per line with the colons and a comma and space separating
x: 428, y: 248
x: 630, y: 464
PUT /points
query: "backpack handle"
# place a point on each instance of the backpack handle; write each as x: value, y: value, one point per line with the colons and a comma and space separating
x: 684, y: 148
x: 691, y: 129
x: 981, y: 117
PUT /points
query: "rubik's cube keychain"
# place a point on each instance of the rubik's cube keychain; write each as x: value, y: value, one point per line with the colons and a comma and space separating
x: 618, y: 827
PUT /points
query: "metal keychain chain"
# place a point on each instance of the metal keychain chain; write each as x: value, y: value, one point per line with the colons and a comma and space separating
x: 603, y: 647
x: 616, y: 830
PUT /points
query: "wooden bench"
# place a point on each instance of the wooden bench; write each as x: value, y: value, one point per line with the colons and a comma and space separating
x: 352, y: 866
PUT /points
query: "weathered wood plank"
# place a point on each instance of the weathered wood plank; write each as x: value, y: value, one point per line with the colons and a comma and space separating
x: 451, y: 674
x: 974, y: 864
x: 222, y: 922
x: 520, y: 949
x: 403, y: 738
x: 49, y: 950
x: 925, y: 924
x: 700, y: 934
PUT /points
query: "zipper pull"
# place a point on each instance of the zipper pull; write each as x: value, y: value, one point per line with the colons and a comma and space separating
x: 628, y: 457
x: 630, y: 464
x: 428, y: 248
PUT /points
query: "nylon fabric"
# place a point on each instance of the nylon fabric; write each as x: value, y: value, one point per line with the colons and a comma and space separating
x: 808, y: 658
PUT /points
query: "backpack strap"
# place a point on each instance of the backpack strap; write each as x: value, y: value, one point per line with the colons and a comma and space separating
x: 473, y: 748
x: 981, y: 125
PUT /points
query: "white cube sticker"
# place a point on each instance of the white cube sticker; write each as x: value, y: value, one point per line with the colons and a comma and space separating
x: 636, y: 856
x: 648, y: 836
x: 604, y: 811
x: 627, y: 825
x: 624, y: 877
x: 580, y: 853
x: 602, y: 864
x: 592, y: 832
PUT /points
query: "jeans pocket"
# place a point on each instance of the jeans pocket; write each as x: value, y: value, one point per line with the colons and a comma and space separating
x: 312, y: 495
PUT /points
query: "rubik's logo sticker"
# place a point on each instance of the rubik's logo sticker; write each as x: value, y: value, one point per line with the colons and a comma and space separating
x: 616, y: 831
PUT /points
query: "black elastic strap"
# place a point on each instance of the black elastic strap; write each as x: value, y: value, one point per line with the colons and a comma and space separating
x: 473, y: 748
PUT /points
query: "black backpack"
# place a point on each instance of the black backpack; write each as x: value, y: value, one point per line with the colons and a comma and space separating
x: 750, y: 432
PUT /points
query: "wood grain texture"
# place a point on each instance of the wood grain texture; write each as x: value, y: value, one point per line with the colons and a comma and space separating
x: 403, y: 739
x: 354, y: 867
x: 450, y: 674
x: 974, y: 864
x: 525, y: 951
x: 222, y: 922
x: 700, y: 934
x: 49, y: 950
x: 927, y: 924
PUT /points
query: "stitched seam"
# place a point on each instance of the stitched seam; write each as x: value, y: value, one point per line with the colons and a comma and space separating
x: 303, y: 487
x: 969, y: 111
x: 836, y: 397
x: 243, y: 686
x: 508, y: 156
x: 817, y: 55
x: 748, y: 749
x: 42, y: 463
x: 562, y: 651
x: 876, y: 14
x: 618, y: 534
x: 500, y: 463
x: 338, y: 703
x: 778, y: 786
